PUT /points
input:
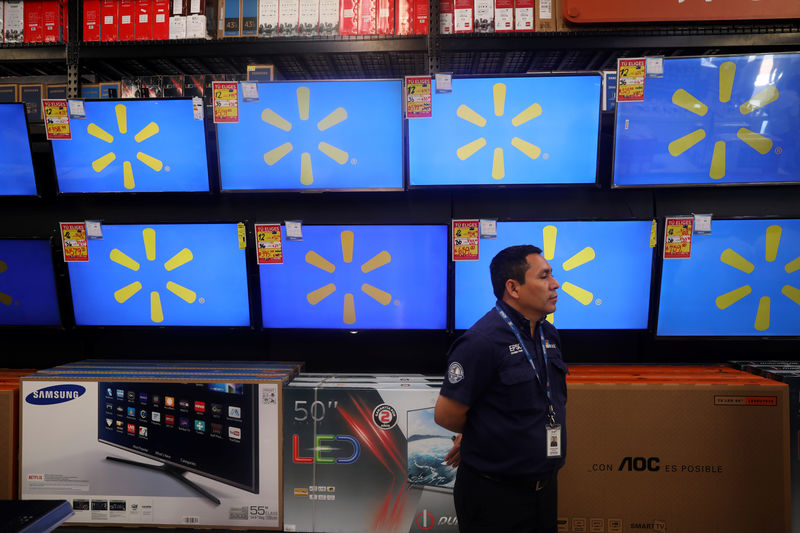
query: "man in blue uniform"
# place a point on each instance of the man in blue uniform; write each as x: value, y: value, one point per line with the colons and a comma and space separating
x: 505, y: 391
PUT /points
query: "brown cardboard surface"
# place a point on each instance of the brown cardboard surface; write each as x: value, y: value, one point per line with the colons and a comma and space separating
x: 546, y: 24
x: 676, y: 458
x: 9, y: 441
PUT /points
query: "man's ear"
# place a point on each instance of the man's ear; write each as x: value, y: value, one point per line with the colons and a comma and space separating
x: 511, y: 288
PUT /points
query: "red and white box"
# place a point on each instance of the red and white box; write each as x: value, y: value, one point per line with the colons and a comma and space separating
x: 367, y: 17
x: 446, y: 17
x: 404, y: 15
x: 34, y: 29
x: 51, y: 16
x: 160, y: 20
x: 503, y: 16
x: 348, y: 17
x: 421, y: 8
x: 144, y: 20
x: 126, y: 15
x: 385, y: 17
x: 109, y: 20
x: 463, y: 18
x: 523, y: 15
x: 91, y: 20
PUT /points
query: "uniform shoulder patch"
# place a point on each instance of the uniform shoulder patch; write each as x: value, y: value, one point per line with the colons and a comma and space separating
x: 455, y: 372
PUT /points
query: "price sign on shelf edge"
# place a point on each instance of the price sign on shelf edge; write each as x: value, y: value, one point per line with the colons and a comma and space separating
x: 465, y: 239
x: 226, y: 102
x: 56, y: 119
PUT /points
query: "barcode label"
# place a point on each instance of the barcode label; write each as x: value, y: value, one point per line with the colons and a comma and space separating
x: 191, y: 520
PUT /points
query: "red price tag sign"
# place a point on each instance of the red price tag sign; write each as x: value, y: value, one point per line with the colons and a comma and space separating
x: 630, y: 79
x: 56, y: 119
x: 269, y: 244
x: 466, y: 234
x: 73, y: 241
x: 419, y: 97
x: 678, y: 237
x: 226, y: 102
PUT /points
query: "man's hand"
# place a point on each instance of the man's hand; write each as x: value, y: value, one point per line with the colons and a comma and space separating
x: 453, y: 457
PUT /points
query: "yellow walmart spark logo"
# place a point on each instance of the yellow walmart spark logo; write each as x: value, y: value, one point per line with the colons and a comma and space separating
x: 348, y: 311
x: 335, y: 117
x: 5, y: 299
x: 586, y: 255
x: 754, y: 140
x: 735, y: 260
x: 99, y: 164
x: 464, y: 112
x: 181, y: 258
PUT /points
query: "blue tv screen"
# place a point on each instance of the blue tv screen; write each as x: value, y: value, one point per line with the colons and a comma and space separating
x: 162, y: 275
x: 359, y: 277
x: 712, y: 121
x: 315, y: 135
x: 27, y: 284
x: 505, y: 131
x: 604, y: 269
x: 741, y: 280
x: 133, y: 146
x: 16, y: 164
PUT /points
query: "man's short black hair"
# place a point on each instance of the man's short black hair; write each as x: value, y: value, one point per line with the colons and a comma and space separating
x: 510, y: 263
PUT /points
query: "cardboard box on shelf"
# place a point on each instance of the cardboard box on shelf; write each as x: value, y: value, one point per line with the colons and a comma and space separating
x: 109, y: 20
x: 329, y: 17
x: 525, y: 16
x: 196, y: 27
x: 52, y: 21
x: 366, y: 17
x: 309, y: 18
x: 34, y: 21
x: 56, y: 91
x: 504, y: 16
x: 31, y: 95
x: 9, y: 93
x: 463, y: 17
x: 421, y: 17
x: 199, y: 449
x: 446, y: 17
x: 288, y: 18
x: 160, y: 20
x: 233, y: 18
x: 249, y: 17
x: 547, y: 14
x: 109, y: 89
x: 127, y: 20
x: 404, y: 14
x: 268, y: 18
x: 484, y: 16
x: 14, y: 21
x: 144, y: 20
x: 9, y: 441
x: 177, y: 27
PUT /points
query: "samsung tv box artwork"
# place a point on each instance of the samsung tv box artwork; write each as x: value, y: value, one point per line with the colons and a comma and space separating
x: 175, y: 449
x: 365, y: 457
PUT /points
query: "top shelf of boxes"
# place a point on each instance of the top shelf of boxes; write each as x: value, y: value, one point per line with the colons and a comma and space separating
x: 472, y: 36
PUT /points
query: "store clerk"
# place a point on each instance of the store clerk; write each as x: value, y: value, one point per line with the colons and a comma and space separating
x: 505, y: 391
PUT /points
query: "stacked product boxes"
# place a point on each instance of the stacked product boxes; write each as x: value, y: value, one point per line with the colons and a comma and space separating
x: 362, y: 454
x: 33, y: 21
x: 787, y: 372
x: 675, y: 448
x: 157, y: 443
x: 9, y: 432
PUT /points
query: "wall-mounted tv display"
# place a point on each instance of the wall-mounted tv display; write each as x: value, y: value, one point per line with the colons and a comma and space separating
x: 315, y: 135
x: 133, y: 146
x: 162, y: 275
x: 741, y: 280
x: 717, y: 120
x: 16, y: 164
x: 207, y: 428
x: 359, y: 277
x: 506, y: 131
x: 27, y: 284
x: 604, y: 269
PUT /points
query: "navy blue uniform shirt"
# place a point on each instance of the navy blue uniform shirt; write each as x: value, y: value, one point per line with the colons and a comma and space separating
x: 488, y: 371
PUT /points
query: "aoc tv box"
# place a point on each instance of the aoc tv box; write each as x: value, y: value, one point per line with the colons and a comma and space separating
x: 365, y: 457
x: 179, y: 449
x: 675, y: 451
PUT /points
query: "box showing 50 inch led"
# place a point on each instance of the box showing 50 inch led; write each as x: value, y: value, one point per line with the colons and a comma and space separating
x: 180, y: 449
x: 365, y: 457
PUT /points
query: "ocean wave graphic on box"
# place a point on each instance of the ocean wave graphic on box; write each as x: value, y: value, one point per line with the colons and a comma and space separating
x: 588, y: 259
x: 198, y: 268
x: 498, y: 131
x: 27, y: 284
x: 358, y: 277
x: 712, y: 120
x: 135, y: 146
x: 428, y: 443
x: 320, y: 135
x: 744, y: 280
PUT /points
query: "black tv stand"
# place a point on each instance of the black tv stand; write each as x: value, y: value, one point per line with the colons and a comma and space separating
x: 172, y: 471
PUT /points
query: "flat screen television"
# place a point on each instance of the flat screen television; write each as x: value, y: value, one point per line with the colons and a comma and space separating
x: 741, y: 280
x: 210, y: 429
x: 604, y: 268
x: 506, y: 131
x: 27, y: 284
x: 133, y: 146
x: 162, y: 275
x: 359, y: 277
x: 428, y: 443
x: 16, y: 163
x: 717, y: 120
x: 316, y: 135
